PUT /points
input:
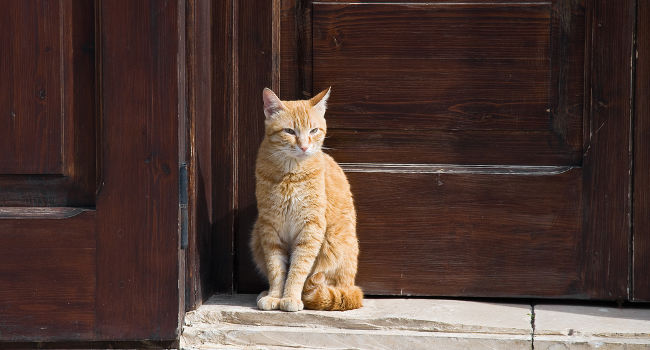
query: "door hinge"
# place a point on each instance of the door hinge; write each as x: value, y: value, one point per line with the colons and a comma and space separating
x: 182, y: 204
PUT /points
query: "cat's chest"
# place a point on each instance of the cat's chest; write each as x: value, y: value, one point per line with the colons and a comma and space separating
x: 295, y: 203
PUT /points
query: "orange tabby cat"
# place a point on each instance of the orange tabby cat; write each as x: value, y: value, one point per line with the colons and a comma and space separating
x: 304, y: 240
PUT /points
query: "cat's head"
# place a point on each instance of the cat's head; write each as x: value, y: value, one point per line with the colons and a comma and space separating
x: 295, y: 129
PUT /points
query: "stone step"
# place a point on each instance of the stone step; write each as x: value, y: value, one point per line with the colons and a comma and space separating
x: 234, y: 322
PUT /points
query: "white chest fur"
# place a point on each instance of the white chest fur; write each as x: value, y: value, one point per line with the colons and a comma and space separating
x: 294, y: 210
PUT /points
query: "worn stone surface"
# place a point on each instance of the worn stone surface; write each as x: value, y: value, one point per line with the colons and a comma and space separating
x: 234, y: 322
x: 226, y: 322
x: 437, y: 315
x: 591, y: 327
x: 554, y: 342
x: 595, y: 321
x: 269, y: 337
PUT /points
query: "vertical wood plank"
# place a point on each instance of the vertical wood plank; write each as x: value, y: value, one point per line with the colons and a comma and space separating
x: 256, y: 71
x: 223, y: 161
x: 607, y: 159
x: 137, y: 248
x: 200, y: 282
x: 641, y: 205
x: 295, y: 61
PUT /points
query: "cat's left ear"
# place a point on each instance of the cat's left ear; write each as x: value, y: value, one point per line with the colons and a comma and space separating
x: 319, y: 102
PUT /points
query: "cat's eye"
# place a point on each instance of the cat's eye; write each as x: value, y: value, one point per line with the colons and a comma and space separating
x: 313, y: 131
x: 289, y: 131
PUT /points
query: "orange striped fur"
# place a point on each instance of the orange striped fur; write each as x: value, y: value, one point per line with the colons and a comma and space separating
x: 304, y: 240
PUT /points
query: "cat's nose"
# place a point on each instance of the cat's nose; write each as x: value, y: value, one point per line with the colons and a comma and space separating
x: 304, y: 148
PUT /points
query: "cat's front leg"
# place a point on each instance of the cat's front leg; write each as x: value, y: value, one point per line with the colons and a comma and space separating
x: 302, y: 259
x: 275, y: 260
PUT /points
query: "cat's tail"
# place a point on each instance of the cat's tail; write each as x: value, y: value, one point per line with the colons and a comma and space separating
x: 318, y: 295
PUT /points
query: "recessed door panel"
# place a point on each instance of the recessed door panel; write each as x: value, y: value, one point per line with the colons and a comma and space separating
x: 47, y: 104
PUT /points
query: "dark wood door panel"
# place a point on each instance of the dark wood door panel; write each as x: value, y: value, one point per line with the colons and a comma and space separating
x: 458, y: 94
x: 458, y: 67
x: 47, y: 276
x: 31, y: 95
x: 465, y: 67
x: 47, y: 103
x: 433, y: 31
x: 469, y: 234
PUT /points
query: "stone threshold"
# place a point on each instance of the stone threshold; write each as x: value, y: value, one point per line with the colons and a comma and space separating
x: 234, y: 322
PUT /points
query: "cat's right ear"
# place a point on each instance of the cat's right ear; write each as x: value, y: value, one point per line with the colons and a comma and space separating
x: 272, y: 104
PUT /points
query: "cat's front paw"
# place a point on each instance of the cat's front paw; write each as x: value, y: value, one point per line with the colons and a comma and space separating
x: 268, y: 303
x: 291, y: 304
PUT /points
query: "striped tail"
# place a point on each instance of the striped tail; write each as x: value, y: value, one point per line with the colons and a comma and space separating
x: 317, y: 295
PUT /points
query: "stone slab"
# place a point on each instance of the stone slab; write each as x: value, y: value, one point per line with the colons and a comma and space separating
x: 431, y: 315
x: 228, y: 322
x: 234, y: 322
x: 594, y: 321
x: 555, y: 342
x: 591, y: 327
x: 270, y: 337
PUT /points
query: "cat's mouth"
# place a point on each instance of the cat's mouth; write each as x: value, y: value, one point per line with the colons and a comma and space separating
x: 300, y: 154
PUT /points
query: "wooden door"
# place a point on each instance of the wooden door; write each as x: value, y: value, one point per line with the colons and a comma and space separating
x: 486, y: 142
x: 89, y: 150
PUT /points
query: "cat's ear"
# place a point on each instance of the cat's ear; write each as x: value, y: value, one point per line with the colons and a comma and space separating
x: 272, y: 103
x: 319, y: 102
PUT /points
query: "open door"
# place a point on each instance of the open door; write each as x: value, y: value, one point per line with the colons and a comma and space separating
x: 89, y: 157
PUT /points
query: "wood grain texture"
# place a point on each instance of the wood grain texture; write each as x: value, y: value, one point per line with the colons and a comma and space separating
x: 469, y: 234
x: 223, y: 133
x: 50, y: 48
x: 295, y: 49
x: 525, y: 170
x: 48, y: 278
x: 33, y: 87
x: 484, y: 74
x: 137, y: 254
x: 521, y: 31
x: 254, y: 59
x: 452, y: 147
x: 199, y: 257
x: 40, y: 212
x: 503, y: 67
x: 641, y: 195
x: 607, y: 160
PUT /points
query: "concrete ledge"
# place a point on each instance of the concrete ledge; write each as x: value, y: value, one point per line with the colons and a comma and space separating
x: 234, y: 322
x: 591, y: 327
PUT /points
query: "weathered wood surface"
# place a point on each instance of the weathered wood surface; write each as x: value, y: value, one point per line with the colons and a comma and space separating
x: 641, y: 148
x: 137, y: 221
x: 47, y: 103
